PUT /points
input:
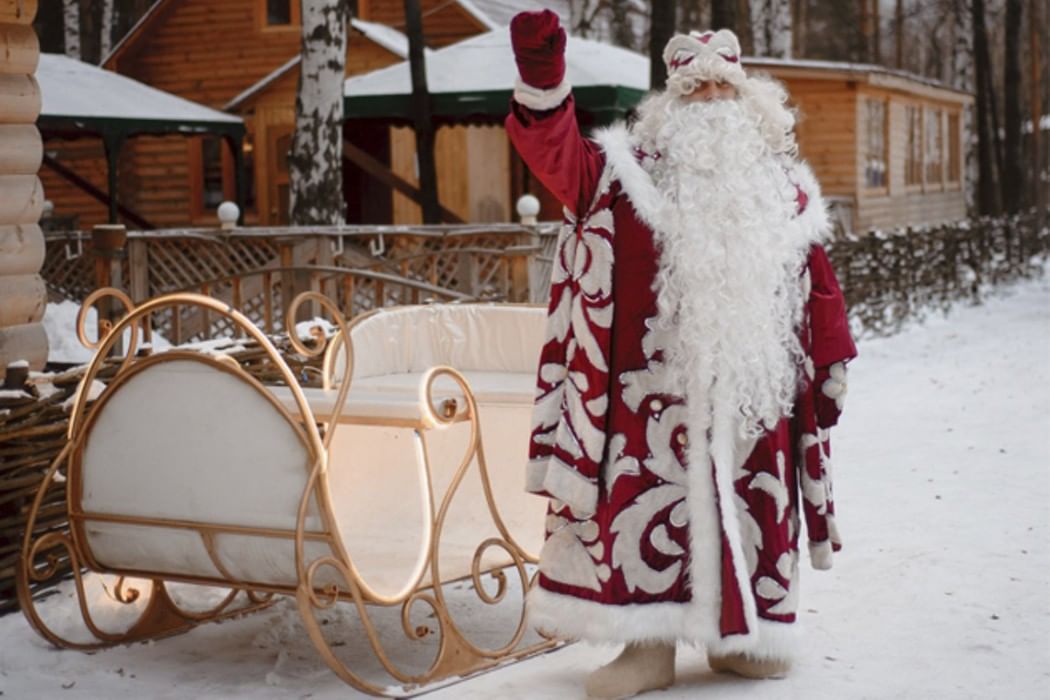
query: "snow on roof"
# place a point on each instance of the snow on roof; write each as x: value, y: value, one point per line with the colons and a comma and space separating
x: 842, y: 66
x: 389, y: 38
x: 477, y: 14
x: 502, y: 11
x: 486, y: 63
x: 71, y: 88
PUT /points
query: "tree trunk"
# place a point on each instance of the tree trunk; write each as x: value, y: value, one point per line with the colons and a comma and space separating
x: 986, y: 186
x: 962, y: 77
x: 106, y: 30
x: 424, y: 124
x: 661, y: 30
x: 71, y: 25
x: 1012, y: 180
x: 898, y: 35
x: 876, y: 33
x: 1035, y: 102
x: 723, y: 15
x: 799, y: 25
x: 771, y: 27
x: 315, y: 164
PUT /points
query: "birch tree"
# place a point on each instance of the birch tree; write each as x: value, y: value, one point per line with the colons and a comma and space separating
x: 315, y: 164
x: 771, y: 27
x: 962, y: 78
x: 106, y: 30
x: 71, y: 27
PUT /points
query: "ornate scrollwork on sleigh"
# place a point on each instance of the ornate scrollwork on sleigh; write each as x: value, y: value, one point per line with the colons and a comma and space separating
x: 381, y: 498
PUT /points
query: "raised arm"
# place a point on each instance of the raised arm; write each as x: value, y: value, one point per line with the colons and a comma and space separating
x: 542, y: 120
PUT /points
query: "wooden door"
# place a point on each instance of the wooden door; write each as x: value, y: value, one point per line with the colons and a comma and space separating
x: 279, y: 139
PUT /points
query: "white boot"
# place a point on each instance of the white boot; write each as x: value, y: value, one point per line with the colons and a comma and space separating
x: 639, y: 667
x: 749, y: 667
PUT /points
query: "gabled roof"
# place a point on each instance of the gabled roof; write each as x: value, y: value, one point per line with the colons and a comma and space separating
x: 387, y: 37
x: 81, y: 97
x: 160, y: 8
x: 475, y: 78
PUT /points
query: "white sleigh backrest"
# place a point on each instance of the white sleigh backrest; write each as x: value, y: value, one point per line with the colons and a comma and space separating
x: 186, y: 439
x: 468, y: 337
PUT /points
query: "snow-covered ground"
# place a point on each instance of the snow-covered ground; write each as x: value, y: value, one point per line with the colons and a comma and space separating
x: 942, y: 591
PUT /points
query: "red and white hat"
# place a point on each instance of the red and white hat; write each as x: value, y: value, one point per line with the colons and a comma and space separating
x: 697, y: 56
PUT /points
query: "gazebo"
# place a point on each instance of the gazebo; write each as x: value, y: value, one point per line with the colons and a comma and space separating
x: 470, y: 85
x: 81, y: 100
x: 472, y: 80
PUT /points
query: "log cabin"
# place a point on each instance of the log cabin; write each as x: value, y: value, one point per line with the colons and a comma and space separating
x: 239, y: 55
x: 887, y: 146
x: 23, y: 296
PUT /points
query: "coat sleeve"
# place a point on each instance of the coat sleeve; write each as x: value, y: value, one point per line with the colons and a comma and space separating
x: 829, y: 346
x: 547, y: 137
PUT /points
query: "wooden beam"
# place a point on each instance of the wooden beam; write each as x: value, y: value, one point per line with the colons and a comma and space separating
x: 18, y: 43
x: 385, y: 175
x: 95, y: 192
x: 20, y: 149
x: 21, y: 199
x: 17, y: 11
x: 21, y: 249
x: 19, y: 99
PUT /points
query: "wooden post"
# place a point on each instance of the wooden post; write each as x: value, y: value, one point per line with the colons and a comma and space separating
x: 138, y: 270
x: 112, y: 143
x: 518, y: 260
x: 108, y: 244
x: 467, y: 273
x: 23, y: 296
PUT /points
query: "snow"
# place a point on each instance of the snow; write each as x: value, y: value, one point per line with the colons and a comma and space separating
x: 501, y: 12
x: 71, y: 88
x: 942, y: 486
x: 486, y: 63
x: 60, y: 323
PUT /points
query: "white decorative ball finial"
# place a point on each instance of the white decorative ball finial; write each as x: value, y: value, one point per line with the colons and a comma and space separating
x: 528, y: 208
x: 228, y: 214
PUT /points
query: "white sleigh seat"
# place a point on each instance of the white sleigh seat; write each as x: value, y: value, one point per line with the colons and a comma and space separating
x: 496, y: 348
x: 185, y: 439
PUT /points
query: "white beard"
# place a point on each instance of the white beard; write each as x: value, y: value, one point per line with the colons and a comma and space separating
x: 731, y: 254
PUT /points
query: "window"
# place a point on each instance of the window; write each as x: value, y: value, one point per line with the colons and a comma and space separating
x: 954, y: 169
x: 913, y: 156
x: 278, y: 12
x: 934, y: 146
x: 277, y: 15
x: 875, y: 151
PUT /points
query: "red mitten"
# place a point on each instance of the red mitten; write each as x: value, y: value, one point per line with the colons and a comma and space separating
x: 539, y: 48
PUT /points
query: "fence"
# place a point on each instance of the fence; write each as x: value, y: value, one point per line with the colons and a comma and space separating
x: 891, y: 277
x: 258, y: 270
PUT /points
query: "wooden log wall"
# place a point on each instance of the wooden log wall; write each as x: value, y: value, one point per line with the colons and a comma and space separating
x: 23, y: 297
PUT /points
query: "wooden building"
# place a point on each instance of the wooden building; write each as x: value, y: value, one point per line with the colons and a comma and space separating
x: 888, y: 146
x: 239, y: 55
x: 22, y: 293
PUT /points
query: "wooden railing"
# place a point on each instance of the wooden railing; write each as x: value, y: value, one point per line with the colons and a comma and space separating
x: 257, y: 269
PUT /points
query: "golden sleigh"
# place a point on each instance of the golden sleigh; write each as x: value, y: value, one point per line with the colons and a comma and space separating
x: 375, y: 492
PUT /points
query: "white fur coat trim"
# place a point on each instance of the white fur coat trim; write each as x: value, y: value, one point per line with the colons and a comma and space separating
x: 538, y: 99
x: 594, y: 622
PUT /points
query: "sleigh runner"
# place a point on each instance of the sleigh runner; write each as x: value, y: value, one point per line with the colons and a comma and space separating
x: 374, y: 490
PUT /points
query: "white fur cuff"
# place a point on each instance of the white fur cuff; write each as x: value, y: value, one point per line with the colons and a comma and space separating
x: 820, y: 555
x: 540, y: 100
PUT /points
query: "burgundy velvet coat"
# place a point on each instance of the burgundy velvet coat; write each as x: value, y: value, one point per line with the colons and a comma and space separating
x: 658, y: 529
